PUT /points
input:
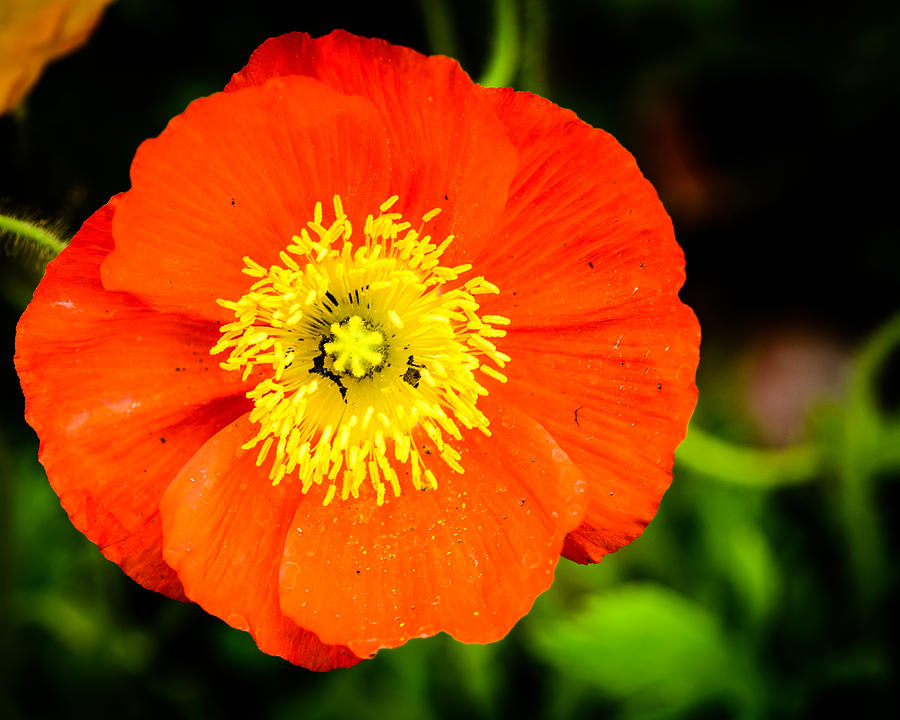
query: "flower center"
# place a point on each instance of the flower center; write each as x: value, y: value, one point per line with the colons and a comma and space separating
x: 355, y: 348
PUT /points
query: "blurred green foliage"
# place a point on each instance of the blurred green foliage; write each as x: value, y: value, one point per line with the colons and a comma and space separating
x: 764, y: 587
x: 651, y: 649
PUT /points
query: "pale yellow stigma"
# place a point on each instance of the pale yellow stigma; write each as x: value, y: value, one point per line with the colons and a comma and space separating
x: 359, y: 347
x: 355, y: 346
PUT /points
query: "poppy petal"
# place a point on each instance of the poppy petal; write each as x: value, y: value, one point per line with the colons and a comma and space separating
x: 239, y: 174
x: 448, y: 149
x: 618, y: 411
x: 468, y: 558
x: 121, y: 396
x: 225, y: 527
x: 604, y: 352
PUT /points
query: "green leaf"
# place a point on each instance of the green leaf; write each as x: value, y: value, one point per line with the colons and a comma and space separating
x: 654, y: 652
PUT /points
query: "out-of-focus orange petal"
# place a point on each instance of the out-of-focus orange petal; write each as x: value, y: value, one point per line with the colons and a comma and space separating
x: 239, y: 174
x: 468, y: 559
x: 225, y: 527
x: 121, y: 396
x: 604, y: 352
x: 35, y: 32
x: 448, y: 148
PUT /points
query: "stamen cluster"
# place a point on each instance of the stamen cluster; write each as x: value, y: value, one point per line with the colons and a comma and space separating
x: 357, y: 346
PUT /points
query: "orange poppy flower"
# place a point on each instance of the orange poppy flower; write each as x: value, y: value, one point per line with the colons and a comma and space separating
x: 362, y: 351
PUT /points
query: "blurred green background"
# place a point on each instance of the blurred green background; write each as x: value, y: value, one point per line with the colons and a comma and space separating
x: 767, y: 583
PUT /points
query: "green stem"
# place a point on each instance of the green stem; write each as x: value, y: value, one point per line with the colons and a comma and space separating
x: 45, y: 241
x: 868, y: 445
x: 872, y: 356
x: 504, y: 60
x: 750, y: 467
x: 439, y: 27
x: 533, y: 75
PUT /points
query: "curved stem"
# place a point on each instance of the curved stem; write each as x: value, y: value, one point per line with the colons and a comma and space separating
x: 867, y: 446
x: 439, y: 27
x: 504, y: 60
x: 45, y: 241
x: 750, y: 467
x: 533, y: 75
x: 870, y: 359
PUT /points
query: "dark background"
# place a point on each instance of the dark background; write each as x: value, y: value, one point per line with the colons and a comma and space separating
x: 769, y: 130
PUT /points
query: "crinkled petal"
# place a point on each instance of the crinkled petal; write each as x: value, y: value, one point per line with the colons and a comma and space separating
x: 121, y: 396
x: 239, y: 174
x: 604, y: 353
x: 468, y: 558
x: 448, y: 149
x: 225, y: 527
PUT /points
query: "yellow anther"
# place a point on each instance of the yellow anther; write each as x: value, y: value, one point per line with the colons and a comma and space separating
x: 352, y: 346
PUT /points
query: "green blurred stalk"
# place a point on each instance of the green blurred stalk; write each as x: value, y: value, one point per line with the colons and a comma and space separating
x: 533, y: 75
x: 439, y: 27
x: 45, y: 241
x: 867, y: 445
x: 504, y: 60
x: 751, y: 467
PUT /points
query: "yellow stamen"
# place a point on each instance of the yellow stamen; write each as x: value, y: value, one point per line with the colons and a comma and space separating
x: 357, y: 346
